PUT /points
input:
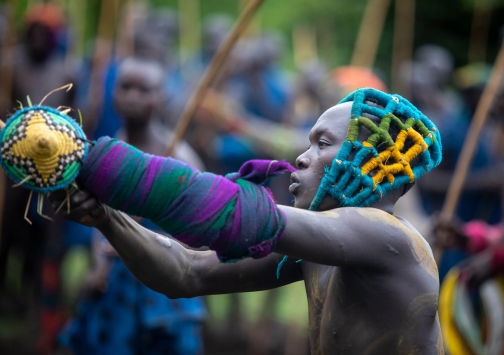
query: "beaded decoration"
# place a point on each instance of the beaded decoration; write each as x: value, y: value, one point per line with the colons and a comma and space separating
x: 366, y: 178
x: 42, y: 149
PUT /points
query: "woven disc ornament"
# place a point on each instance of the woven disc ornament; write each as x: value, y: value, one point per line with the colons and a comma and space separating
x: 42, y: 149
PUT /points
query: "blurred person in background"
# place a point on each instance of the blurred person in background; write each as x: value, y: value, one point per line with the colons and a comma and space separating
x: 153, y: 39
x: 432, y: 76
x: 483, y: 190
x: 260, y: 85
x: 117, y: 313
x: 314, y: 92
x: 38, y: 67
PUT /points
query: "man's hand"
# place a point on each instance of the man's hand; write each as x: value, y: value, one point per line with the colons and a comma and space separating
x: 448, y: 233
x: 84, y: 208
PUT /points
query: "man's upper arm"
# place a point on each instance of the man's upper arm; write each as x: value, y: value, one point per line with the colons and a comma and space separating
x: 170, y: 268
x: 342, y: 237
x: 214, y: 277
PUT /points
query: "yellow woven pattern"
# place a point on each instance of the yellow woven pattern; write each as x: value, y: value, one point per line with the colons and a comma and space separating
x: 44, y: 146
x: 402, y: 160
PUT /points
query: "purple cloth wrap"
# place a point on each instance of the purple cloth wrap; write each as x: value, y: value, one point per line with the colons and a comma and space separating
x: 233, y: 215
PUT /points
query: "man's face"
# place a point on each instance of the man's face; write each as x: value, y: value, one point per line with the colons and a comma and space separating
x: 137, y: 92
x: 326, y: 139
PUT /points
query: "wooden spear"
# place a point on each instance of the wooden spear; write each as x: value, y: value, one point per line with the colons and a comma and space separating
x: 402, y: 52
x: 464, y: 161
x: 211, y: 72
x: 479, y: 31
x: 370, y: 31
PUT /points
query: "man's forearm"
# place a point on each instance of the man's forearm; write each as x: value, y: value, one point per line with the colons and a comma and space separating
x: 158, y: 262
x: 231, y: 215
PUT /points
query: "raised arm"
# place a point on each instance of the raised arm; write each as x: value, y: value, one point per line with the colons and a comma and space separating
x: 234, y: 216
x: 166, y: 266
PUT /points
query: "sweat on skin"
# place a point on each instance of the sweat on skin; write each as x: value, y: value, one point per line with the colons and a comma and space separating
x: 370, y: 278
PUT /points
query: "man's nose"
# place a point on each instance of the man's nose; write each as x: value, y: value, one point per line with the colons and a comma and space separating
x: 302, y: 161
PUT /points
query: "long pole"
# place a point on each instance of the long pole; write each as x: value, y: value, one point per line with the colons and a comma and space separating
x: 304, y: 44
x: 479, y: 31
x: 467, y: 154
x: 211, y: 72
x: 190, y: 28
x: 402, y: 52
x: 370, y: 32
x: 101, y: 56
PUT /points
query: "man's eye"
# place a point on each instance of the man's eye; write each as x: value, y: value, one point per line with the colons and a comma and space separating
x: 323, y: 144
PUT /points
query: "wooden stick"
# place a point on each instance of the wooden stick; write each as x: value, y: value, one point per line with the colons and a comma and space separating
x: 466, y: 156
x: 100, y: 58
x: 370, y: 31
x: 254, y: 27
x: 304, y: 44
x: 402, y: 52
x: 127, y: 27
x: 189, y: 28
x: 211, y: 72
x: 479, y: 31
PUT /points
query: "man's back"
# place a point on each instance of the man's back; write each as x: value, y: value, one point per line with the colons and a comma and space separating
x: 392, y: 310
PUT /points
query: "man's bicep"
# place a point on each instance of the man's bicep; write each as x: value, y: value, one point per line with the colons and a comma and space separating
x: 342, y: 237
x: 246, y: 275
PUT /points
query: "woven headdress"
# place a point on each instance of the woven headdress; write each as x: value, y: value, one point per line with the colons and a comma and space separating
x: 390, y: 165
x: 42, y: 149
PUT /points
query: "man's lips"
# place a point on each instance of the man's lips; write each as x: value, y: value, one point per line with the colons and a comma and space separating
x: 294, y: 183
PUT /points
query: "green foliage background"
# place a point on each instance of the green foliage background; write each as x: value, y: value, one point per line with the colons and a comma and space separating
x: 445, y: 22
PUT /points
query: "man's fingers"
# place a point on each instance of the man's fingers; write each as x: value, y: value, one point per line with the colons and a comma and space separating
x: 57, y: 198
x: 89, y: 207
x: 82, y: 207
x: 79, y: 197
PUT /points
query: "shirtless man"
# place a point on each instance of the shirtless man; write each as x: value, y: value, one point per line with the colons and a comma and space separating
x: 371, y: 281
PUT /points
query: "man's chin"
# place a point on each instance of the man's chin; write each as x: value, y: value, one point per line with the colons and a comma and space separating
x: 300, y: 203
x: 327, y: 204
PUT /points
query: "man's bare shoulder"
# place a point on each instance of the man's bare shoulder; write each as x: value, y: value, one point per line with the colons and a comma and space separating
x: 352, y: 236
x: 393, y: 230
x: 369, y: 219
x: 398, y: 232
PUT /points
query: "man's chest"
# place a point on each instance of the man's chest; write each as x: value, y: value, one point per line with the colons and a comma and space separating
x: 352, y: 311
x: 331, y: 307
x: 348, y: 312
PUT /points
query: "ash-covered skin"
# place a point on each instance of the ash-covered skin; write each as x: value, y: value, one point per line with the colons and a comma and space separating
x: 371, y: 280
x: 384, y: 305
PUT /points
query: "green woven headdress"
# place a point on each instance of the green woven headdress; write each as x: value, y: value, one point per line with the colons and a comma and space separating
x: 349, y: 181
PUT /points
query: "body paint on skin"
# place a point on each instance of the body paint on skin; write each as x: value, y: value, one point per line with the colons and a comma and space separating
x: 164, y: 241
x: 418, y: 245
x: 418, y: 309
